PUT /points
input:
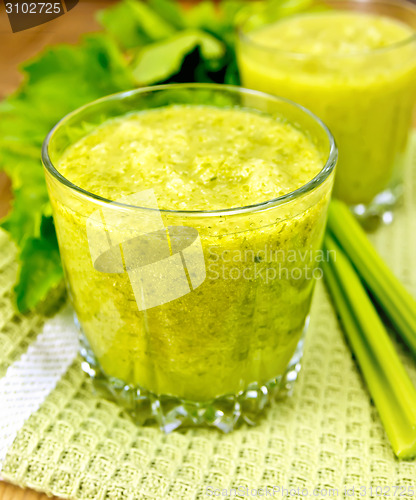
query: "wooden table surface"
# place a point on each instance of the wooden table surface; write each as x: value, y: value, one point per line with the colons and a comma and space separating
x: 14, y: 49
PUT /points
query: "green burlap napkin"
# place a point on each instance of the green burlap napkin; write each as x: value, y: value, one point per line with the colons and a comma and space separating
x: 17, y: 331
x: 326, y: 436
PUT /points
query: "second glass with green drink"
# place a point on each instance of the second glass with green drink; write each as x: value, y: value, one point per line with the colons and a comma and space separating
x: 353, y: 63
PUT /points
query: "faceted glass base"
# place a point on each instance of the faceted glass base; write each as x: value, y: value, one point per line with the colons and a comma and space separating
x: 169, y: 413
x: 379, y: 210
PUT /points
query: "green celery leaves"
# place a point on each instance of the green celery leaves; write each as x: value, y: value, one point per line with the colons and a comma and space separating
x: 143, y: 43
x: 58, y: 81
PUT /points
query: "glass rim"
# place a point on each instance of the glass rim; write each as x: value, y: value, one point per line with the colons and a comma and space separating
x: 405, y: 4
x: 317, y: 180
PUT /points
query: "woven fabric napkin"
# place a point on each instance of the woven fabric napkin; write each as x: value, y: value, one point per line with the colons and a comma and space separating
x: 59, y: 437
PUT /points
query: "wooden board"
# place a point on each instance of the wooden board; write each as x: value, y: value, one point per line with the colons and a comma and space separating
x: 10, y: 492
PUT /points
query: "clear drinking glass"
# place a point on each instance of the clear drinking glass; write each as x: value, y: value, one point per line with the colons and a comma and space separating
x: 366, y: 98
x: 173, y: 326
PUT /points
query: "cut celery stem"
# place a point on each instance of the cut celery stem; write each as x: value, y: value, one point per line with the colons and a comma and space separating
x: 396, y: 301
x: 375, y: 333
x: 390, y: 387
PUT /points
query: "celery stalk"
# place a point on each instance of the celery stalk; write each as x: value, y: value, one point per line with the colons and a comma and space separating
x: 397, y: 302
x: 390, y: 387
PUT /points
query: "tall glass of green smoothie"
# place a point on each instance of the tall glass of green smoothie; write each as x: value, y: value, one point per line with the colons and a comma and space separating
x: 190, y: 219
x: 353, y: 63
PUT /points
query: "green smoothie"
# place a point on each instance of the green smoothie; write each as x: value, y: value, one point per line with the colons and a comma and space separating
x: 195, y: 158
x: 243, y: 323
x: 357, y: 72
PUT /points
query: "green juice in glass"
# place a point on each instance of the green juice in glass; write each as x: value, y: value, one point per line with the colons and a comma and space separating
x: 357, y: 72
x: 242, y: 323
